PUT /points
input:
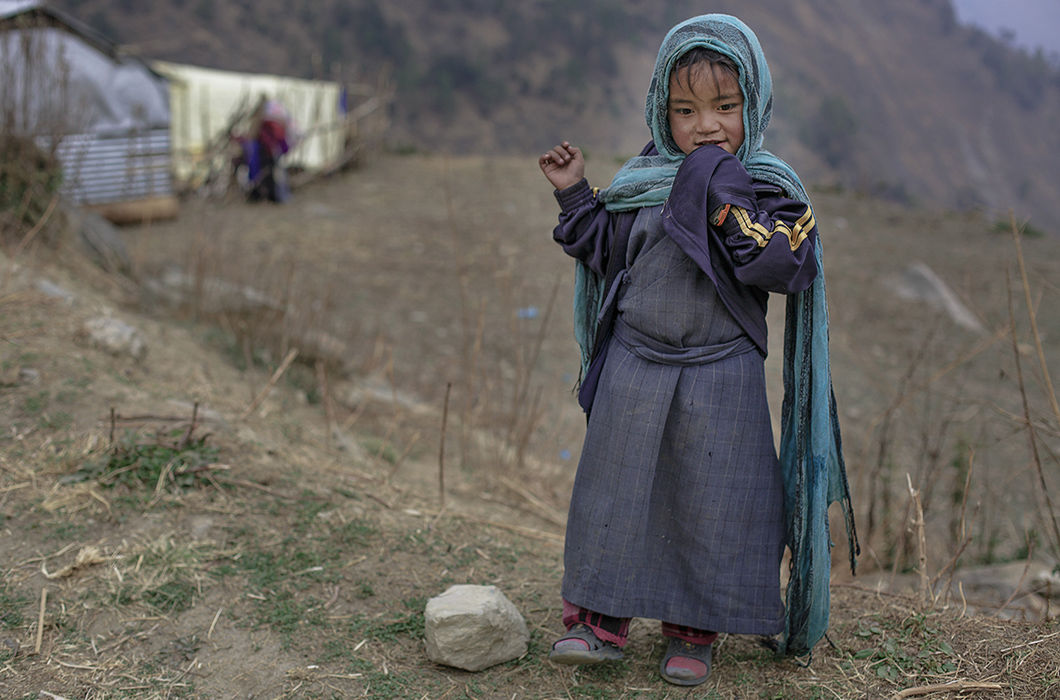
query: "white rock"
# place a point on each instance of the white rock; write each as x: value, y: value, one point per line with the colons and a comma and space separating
x: 919, y: 282
x: 51, y: 289
x: 115, y: 337
x: 474, y: 627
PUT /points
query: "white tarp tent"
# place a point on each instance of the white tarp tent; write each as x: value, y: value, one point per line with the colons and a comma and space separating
x: 105, y: 116
x: 205, y: 102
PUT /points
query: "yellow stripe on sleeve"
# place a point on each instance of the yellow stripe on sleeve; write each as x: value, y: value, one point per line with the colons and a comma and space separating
x: 795, y: 234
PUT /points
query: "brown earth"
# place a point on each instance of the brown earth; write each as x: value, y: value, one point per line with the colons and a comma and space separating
x: 291, y: 553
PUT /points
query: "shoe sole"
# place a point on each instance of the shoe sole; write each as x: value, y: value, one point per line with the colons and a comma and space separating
x: 684, y: 681
x: 578, y: 657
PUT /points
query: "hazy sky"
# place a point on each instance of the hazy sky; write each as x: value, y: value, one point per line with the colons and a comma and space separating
x: 1035, y: 22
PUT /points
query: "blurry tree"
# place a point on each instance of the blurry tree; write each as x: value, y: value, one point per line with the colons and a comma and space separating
x: 831, y: 131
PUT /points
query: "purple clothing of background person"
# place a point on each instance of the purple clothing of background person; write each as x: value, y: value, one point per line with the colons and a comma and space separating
x: 677, y: 508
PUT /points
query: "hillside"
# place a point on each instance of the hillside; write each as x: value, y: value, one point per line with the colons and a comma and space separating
x: 209, y: 521
x: 893, y: 97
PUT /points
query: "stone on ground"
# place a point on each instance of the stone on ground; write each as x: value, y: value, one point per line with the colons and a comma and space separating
x: 474, y: 627
x: 115, y: 337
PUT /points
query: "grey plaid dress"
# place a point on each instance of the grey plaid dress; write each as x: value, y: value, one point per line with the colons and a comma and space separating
x: 677, y: 508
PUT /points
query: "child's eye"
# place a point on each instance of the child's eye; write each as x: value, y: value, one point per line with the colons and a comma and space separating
x: 682, y: 110
x: 729, y: 107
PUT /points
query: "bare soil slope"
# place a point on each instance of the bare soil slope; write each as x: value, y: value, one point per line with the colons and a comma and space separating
x: 275, y: 530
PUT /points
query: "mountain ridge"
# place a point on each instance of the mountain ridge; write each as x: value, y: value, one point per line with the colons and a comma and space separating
x: 892, y: 98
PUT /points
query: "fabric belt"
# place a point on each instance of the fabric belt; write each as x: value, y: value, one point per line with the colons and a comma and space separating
x: 654, y: 350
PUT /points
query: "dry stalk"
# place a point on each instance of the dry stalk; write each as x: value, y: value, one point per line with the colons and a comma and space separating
x: 519, y: 529
x: 252, y: 485
x: 540, y: 508
x: 1023, y: 577
x: 441, y: 448
x: 32, y: 233
x: 271, y: 383
x: 885, y: 421
x: 1050, y: 512
x: 325, y: 397
x: 1049, y: 389
x: 40, y: 620
x: 186, y: 440
x: 926, y: 595
x: 471, y: 388
x: 949, y: 687
x: 965, y: 540
x: 1031, y: 644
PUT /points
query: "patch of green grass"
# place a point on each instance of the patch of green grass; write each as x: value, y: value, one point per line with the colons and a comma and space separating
x: 67, y: 530
x: 909, y: 649
x: 265, y: 568
x: 284, y: 571
x: 82, y: 382
x: 232, y: 349
x: 160, y: 577
x: 355, y: 532
x: 171, y: 597
x: 34, y: 404
x: 387, y: 685
x: 380, y: 448
x: 363, y: 590
x: 178, y: 458
x: 11, y: 604
x: 287, y: 614
x: 124, y: 594
x: 409, y: 625
x: 59, y: 420
x: 308, y: 507
x: 1026, y: 230
x: 66, y: 396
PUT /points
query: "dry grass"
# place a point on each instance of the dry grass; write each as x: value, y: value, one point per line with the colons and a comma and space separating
x: 300, y: 567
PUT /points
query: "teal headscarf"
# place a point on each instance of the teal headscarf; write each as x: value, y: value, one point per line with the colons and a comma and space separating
x: 810, y: 446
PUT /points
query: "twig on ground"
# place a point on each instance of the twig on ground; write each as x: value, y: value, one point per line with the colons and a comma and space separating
x: 250, y: 484
x: 1031, y: 644
x: 40, y: 620
x: 379, y: 500
x: 217, y: 615
x: 539, y: 507
x: 951, y: 686
x: 528, y: 532
x: 272, y: 382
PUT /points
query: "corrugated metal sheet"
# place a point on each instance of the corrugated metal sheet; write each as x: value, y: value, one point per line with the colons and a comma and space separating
x: 101, y: 169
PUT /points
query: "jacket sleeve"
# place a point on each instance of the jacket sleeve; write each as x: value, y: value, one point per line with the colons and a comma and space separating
x: 772, y: 244
x: 584, y: 230
x: 769, y: 238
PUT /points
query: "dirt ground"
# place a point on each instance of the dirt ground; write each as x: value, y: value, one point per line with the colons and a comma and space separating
x: 276, y: 529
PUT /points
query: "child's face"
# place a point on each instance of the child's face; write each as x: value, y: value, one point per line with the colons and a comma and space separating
x: 706, y: 107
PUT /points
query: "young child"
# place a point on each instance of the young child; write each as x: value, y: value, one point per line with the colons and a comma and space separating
x: 681, y: 510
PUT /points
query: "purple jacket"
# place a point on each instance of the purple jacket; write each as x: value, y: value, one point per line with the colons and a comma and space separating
x: 746, y: 236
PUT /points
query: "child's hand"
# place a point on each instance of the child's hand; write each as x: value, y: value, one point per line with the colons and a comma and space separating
x: 564, y: 165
